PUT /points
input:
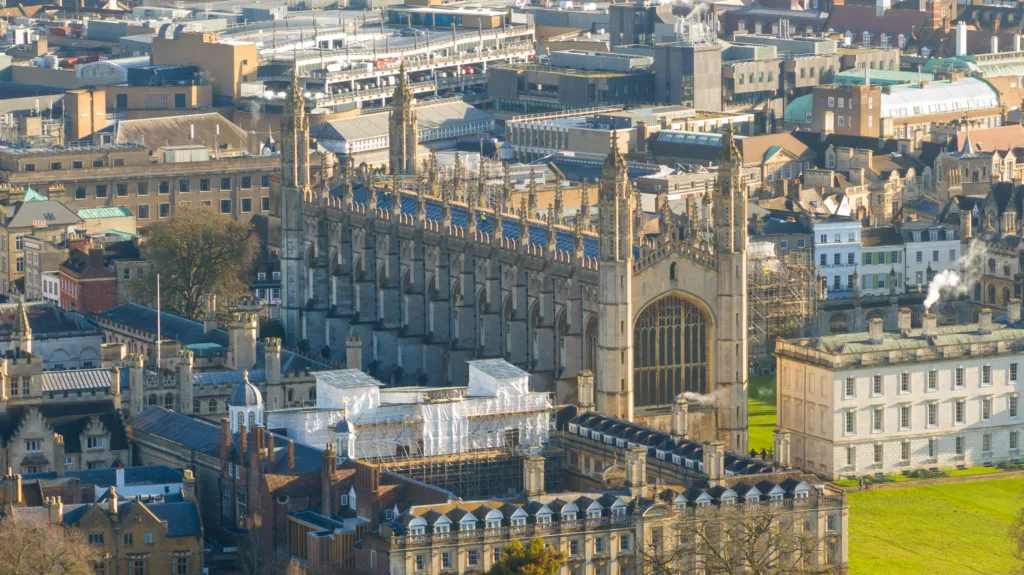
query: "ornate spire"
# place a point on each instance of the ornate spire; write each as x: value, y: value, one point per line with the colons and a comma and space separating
x: 669, y: 228
x: 346, y: 193
x: 531, y: 206
x: 421, y: 201
x: 584, y: 215
x: 481, y: 183
x: 551, y: 229
x: 524, y: 225
x: 578, y: 234
x: 403, y: 94
x: 21, y: 326
x: 446, y: 211
x: 371, y: 195
x: 432, y: 172
x: 506, y: 189
x: 396, y: 198
x: 457, y: 178
x: 559, y: 202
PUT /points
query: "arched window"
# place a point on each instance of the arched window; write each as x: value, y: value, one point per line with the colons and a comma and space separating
x: 1006, y: 270
x: 1006, y: 296
x: 670, y: 351
x: 241, y: 419
x: 213, y: 406
x: 672, y: 271
x: 991, y: 294
x: 252, y: 419
x: 590, y: 354
x: 838, y: 324
x: 977, y: 292
x: 169, y: 401
x: 991, y: 266
x: 153, y: 400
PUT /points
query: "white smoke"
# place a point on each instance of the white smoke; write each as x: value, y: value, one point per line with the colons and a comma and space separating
x: 955, y: 284
x: 944, y: 280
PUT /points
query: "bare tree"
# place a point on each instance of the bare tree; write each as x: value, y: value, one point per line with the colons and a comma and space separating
x: 250, y: 553
x: 749, y: 538
x: 39, y: 547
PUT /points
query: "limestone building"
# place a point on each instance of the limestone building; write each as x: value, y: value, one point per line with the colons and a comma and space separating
x: 429, y: 283
x: 132, y: 536
x: 883, y: 402
x: 200, y: 362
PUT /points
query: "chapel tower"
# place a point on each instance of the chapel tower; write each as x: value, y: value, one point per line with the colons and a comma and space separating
x: 294, y: 187
x: 615, y: 295
x: 730, y: 217
x: 404, y: 135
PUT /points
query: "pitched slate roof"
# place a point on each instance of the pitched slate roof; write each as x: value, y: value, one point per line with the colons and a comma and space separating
x: 69, y: 419
x: 182, y: 518
x: 189, y: 332
x: 52, y: 212
x: 142, y: 475
x: 76, y: 380
x: 199, y: 435
x: 45, y: 319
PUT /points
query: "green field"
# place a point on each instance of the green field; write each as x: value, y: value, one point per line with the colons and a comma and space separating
x: 761, y: 411
x: 946, y: 529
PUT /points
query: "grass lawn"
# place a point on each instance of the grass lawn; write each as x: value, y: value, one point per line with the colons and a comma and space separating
x: 761, y: 411
x: 946, y: 529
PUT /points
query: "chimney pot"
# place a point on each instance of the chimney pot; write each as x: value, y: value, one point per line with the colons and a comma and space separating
x: 904, y: 320
x: 931, y: 325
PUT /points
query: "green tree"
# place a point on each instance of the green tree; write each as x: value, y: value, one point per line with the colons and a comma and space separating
x: 534, y: 559
x: 199, y: 252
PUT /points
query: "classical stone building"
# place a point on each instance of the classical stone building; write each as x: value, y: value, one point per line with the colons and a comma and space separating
x: 430, y: 281
x: 877, y: 402
x: 131, y: 536
x: 200, y: 362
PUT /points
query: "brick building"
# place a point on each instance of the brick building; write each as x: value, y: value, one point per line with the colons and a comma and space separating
x: 86, y: 284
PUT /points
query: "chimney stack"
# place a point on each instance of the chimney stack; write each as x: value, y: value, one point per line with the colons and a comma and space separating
x: 354, y: 352
x: 875, y: 331
x: 188, y: 486
x: 782, y: 451
x: 58, y: 455
x: 961, y: 38
x: 636, y: 469
x: 931, y: 325
x: 1013, y: 310
x: 210, y: 318
x: 985, y: 321
x: 12, y: 488
x: 714, y: 461
x: 291, y: 456
x: 533, y: 475
x: 326, y: 477
x: 112, y: 501
x: 270, y: 450
x: 905, y: 320
x: 54, y: 509
x: 111, y: 354
x: 225, y: 437
x: 585, y: 389
x: 680, y: 411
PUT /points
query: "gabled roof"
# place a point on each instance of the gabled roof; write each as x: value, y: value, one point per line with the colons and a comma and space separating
x: 52, y: 212
x: 69, y: 419
x: 182, y: 130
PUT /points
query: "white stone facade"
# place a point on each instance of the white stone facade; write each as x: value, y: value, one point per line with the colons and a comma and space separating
x: 946, y: 400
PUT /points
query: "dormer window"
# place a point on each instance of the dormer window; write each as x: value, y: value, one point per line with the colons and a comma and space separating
x: 569, y: 516
x: 544, y: 518
x: 775, y: 497
x: 704, y: 503
x: 753, y: 498
x: 728, y: 500
x: 442, y: 528
x: 494, y: 523
x: 467, y: 526
x: 518, y: 521
x: 417, y: 530
x: 917, y: 236
x: 594, y: 514
x: 618, y: 511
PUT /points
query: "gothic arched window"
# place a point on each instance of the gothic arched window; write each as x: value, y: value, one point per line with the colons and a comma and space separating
x: 670, y: 351
x: 169, y: 401
x: 672, y: 271
x: 839, y: 324
x: 992, y: 294
x: 252, y: 419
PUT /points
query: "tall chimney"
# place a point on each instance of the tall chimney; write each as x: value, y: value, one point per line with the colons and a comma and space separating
x: 680, y: 411
x: 714, y: 461
x: 961, y: 38
x: 243, y: 443
x: 112, y: 501
x: 875, y: 326
x: 270, y: 451
x: 782, y: 451
x: 905, y: 320
x: 225, y: 437
x: 585, y: 389
x: 985, y: 321
x: 636, y: 469
x: 291, y: 456
x: 210, y: 317
x: 533, y: 475
x: 931, y: 325
x: 58, y: 455
x: 326, y: 478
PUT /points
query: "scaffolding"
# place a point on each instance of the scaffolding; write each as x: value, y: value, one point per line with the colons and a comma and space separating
x: 780, y: 300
